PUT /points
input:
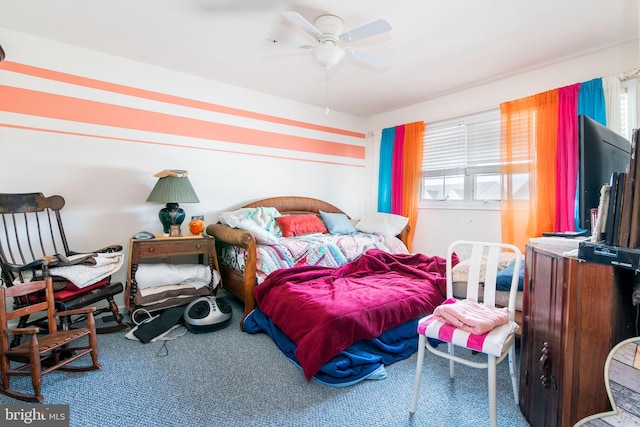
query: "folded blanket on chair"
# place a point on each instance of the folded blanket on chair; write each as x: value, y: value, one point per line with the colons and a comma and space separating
x: 470, y: 316
x: 59, y: 260
x: 84, y: 275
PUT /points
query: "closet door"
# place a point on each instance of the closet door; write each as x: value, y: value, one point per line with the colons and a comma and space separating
x: 542, y: 348
x: 597, y: 313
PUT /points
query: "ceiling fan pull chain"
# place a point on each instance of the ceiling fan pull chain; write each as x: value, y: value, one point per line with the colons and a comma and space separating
x: 326, y: 111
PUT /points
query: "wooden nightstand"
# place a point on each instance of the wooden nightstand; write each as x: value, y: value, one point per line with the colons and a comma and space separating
x: 162, y: 249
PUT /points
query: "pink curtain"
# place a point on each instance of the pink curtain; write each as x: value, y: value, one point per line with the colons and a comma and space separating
x: 401, y: 171
x: 567, y: 157
x: 397, y: 171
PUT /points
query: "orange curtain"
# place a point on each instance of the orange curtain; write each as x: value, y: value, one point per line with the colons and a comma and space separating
x: 529, y: 137
x: 412, y: 174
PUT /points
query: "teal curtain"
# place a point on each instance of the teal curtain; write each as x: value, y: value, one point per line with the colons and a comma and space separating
x: 591, y: 100
x: 386, y: 169
x: 591, y: 103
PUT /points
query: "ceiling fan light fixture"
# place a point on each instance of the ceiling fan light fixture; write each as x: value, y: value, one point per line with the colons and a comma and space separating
x: 328, y: 30
x: 328, y: 55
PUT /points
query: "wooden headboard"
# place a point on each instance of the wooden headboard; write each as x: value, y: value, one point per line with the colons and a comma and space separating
x: 241, y: 283
x: 289, y: 205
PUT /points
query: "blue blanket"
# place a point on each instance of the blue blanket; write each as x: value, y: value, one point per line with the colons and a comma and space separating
x: 363, y: 360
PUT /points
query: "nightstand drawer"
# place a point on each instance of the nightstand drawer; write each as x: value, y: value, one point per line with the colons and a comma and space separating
x: 173, y: 246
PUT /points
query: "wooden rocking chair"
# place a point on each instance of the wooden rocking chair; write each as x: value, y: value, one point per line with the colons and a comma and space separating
x: 42, y: 353
x: 32, y: 236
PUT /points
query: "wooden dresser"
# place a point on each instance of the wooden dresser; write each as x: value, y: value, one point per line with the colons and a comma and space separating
x: 574, y: 313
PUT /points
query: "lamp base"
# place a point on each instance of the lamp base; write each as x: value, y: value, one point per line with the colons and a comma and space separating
x: 171, y: 214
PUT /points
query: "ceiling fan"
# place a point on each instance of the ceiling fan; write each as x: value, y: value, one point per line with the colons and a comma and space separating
x: 328, y: 31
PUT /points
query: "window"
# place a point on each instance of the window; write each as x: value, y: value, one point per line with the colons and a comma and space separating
x: 461, y: 159
x: 627, y: 108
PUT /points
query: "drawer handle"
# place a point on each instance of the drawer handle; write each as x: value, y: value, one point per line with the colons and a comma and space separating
x: 543, y: 365
x: 151, y: 249
x: 198, y: 246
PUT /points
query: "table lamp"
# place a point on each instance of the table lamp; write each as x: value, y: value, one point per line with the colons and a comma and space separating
x: 173, y: 187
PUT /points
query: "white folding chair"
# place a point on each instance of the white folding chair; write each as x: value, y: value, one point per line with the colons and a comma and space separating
x: 496, y: 344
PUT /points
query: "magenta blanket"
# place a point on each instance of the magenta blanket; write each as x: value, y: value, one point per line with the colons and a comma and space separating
x: 325, y: 310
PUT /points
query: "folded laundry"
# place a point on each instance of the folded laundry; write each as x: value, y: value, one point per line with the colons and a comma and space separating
x: 154, y: 275
x: 471, y: 316
x: 83, y: 275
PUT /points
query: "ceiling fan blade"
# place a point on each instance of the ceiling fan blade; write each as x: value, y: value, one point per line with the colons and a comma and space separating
x: 297, y: 19
x: 371, y: 29
x: 366, y: 58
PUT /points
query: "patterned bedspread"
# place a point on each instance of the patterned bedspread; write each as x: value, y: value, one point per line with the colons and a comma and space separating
x: 325, y: 250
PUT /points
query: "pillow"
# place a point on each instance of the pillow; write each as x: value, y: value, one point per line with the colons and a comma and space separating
x: 382, y: 223
x: 261, y: 235
x: 258, y: 221
x: 460, y: 272
x: 295, y: 225
x: 503, y: 279
x: 337, y: 223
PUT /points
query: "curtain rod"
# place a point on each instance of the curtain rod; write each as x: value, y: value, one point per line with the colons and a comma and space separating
x: 627, y: 75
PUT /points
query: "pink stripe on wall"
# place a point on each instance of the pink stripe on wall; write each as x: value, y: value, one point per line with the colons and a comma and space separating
x: 157, y: 96
x: 36, y: 103
x: 194, y: 147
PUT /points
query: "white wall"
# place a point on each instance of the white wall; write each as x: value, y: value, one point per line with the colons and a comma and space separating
x: 436, y: 228
x: 105, y: 171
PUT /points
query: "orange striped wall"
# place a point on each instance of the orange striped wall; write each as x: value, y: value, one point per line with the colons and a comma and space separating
x: 38, y: 103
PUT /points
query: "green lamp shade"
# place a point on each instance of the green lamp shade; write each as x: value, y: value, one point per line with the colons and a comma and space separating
x: 172, y: 190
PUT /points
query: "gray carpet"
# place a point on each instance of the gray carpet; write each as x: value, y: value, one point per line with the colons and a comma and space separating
x: 230, y: 378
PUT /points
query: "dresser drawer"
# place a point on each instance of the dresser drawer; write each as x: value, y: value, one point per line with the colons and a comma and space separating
x: 170, y: 247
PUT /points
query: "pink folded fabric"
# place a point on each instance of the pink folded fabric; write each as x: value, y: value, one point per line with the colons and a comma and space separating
x: 470, y: 316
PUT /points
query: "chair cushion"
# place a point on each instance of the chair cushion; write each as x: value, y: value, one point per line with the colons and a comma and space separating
x: 72, y: 290
x: 92, y: 298
x: 492, y: 342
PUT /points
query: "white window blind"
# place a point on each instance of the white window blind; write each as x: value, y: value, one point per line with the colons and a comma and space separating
x: 462, y: 146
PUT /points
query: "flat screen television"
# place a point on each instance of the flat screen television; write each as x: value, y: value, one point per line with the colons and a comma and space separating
x: 601, y: 152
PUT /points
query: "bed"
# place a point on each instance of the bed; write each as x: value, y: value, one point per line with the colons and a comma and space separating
x: 344, y: 312
x: 341, y: 321
x: 343, y: 325
x: 238, y: 251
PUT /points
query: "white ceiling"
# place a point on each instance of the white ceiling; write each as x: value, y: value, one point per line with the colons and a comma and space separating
x: 435, y: 47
